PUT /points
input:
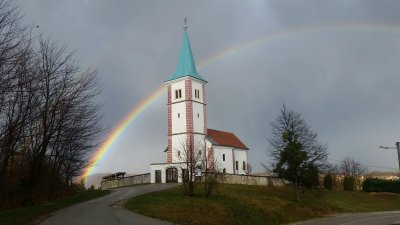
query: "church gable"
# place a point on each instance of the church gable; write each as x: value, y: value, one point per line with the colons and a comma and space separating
x: 224, y: 138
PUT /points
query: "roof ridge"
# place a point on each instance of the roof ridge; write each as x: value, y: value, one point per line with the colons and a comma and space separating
x: 220, y: 131
x: 224, y: 138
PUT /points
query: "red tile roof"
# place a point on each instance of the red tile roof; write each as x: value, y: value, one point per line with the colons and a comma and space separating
x: 225, y: 139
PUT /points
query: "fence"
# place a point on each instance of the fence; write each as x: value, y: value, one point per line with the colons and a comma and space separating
x: 126, y: 181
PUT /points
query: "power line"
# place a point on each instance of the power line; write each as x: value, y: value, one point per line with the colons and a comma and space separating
x: 369, y: 166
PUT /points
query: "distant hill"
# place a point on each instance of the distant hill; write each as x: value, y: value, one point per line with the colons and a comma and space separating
x: 95, y: 179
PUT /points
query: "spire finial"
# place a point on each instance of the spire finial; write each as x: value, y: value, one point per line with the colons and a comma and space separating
x: 185, y: 21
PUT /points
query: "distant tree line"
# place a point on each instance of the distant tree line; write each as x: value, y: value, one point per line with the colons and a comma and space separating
x: 347, y: 175
x: 49, y: 118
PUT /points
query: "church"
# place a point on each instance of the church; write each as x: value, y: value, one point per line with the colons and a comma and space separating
x: 188, y: 133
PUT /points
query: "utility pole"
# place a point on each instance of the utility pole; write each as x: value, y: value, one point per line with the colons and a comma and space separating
x: 398, y: 150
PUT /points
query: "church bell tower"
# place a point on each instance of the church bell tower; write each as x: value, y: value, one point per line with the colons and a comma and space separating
x: 187, y: 121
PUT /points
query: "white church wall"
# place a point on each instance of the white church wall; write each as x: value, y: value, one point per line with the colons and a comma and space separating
x: 153, y: 168
x: 240, y: 156
x: 178, y: 145
x: 199, y: 143
x: 197, y: 86
x: 176, y: 86
x: 198, y: 118
x: 163, y: 168
x: 227, y: 164
x: 178, y: 114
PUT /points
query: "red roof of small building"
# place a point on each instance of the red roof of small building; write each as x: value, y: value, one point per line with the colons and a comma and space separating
x: 225, y: 139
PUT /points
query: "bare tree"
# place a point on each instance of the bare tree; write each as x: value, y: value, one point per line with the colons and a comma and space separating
x: 12, y: 37
x: 49, y: 116
x: 212, y: 174
x: 353, y: 171
x: 50, y: 121
x: 350, y: 167
x: 14, y: 114
x: 189, y: 155
x: 65, y: 118
x: 249, y: 168
x: 198, y: 165
x: 15, y: 54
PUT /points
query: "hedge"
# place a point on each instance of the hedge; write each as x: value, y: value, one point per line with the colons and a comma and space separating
x: 378, y: 185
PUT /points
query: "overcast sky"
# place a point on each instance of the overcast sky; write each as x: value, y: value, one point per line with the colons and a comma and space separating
x: 335, y: 62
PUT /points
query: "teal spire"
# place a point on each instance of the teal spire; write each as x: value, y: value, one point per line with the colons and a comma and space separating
x: 186, y: 65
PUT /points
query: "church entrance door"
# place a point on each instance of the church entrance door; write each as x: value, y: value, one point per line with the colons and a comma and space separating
x: 158, y: 176
x: 172, y: 175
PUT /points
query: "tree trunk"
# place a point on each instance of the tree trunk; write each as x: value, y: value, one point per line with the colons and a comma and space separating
x: 297, y: 189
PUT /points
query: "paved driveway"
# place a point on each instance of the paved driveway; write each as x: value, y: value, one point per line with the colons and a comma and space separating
x: 107, y: 210
x: 376, y: 218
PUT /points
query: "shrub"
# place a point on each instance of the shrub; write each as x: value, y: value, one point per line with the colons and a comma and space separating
x: 349, y: 183
x: 328, y: 181
x: 378, y: 185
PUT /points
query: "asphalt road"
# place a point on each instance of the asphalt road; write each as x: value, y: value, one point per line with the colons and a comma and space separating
x: 107, y: 210
x: 376, y: 218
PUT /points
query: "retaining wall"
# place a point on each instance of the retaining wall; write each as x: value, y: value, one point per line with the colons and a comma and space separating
x: 254, y: 180
x: 126, y: 181
x: 228, y: 179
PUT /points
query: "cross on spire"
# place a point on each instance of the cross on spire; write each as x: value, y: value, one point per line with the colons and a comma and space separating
x: 185, y: 21
x: 186, y: 64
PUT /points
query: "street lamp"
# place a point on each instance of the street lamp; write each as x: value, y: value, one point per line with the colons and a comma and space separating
x: 398, y: 150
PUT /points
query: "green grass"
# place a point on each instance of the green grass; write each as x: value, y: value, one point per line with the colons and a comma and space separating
x: 241, y: 204
x: 35, y: 214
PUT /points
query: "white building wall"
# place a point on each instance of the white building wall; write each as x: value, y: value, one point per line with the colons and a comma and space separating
x: 222, y: 164
x: 163, y: 167
x: 241, y: 157
x: 199, y: 142
x: 178, y: 122
x: 176, y: 86
x: 197, y: 86
x: 153, y: 168
x: 231, y: 156
x: 178, y: 145
x: 198, y: 118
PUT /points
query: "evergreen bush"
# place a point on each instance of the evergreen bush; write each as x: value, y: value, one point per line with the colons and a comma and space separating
x: 328, y: 181
x: 349, y: 183
x: 378, y: 185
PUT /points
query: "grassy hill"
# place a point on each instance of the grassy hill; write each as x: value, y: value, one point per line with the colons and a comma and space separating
x: 241, y: 204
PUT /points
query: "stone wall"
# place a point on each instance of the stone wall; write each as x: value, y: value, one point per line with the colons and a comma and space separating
x: 254, y: 180
x: 126, y: 181
x: 228, y: 179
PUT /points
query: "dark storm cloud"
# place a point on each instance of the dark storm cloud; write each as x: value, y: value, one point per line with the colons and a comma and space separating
x: 309, y: 13
x: 343, y: 82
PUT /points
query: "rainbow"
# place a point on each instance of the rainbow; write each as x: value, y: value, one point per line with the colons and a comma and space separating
x: 296, y: 33
x: 136, y: 111
x: 268, y: 38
